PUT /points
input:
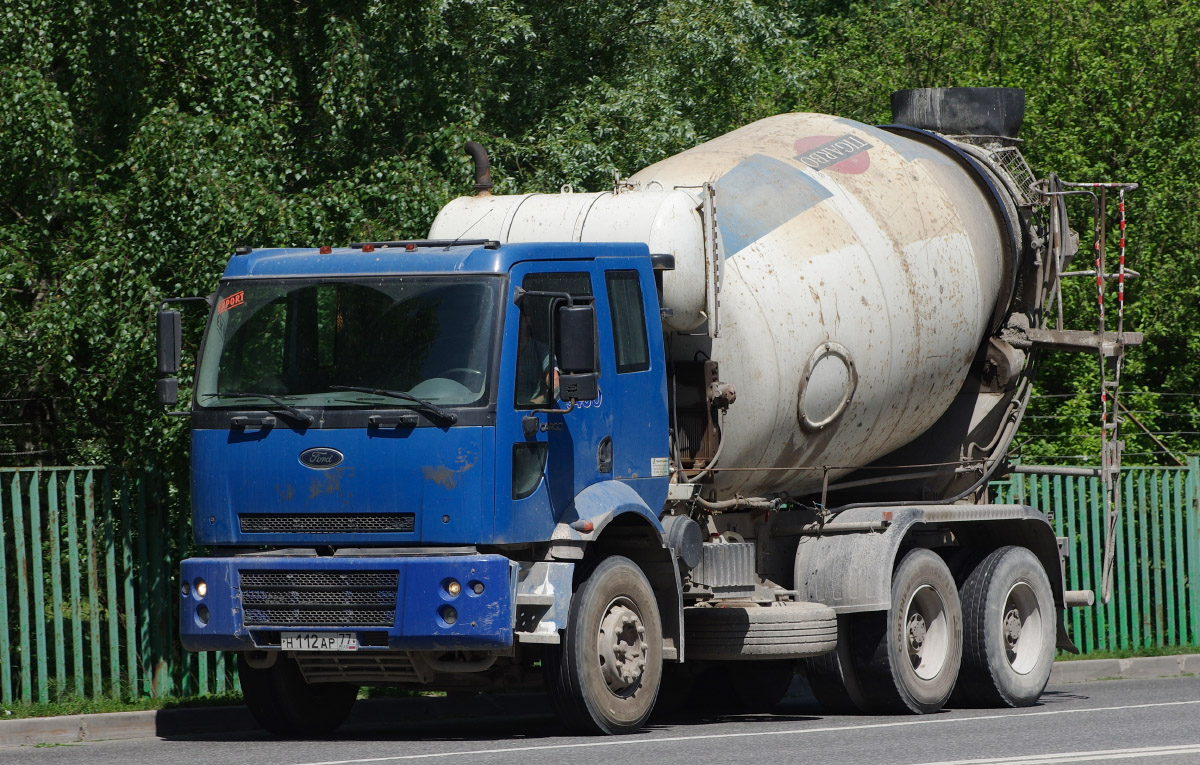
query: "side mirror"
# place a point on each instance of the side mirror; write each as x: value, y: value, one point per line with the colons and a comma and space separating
x: 170, y: 342
x: 170, y: 348
x: 168, y: 391
x: 576, y: 351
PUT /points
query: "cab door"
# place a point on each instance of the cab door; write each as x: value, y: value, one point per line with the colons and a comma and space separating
x: 539, y: 474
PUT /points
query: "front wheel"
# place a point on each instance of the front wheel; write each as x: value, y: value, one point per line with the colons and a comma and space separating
x: 605, y: 675
x: 1010, y: 630
x: 283, y: 703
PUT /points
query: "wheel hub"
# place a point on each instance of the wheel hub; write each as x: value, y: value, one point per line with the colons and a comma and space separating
x: 1012, y: 628
x: 926, y: 632
x: 916, y: 633
x: 1022, y: 628
x: 622, y: 648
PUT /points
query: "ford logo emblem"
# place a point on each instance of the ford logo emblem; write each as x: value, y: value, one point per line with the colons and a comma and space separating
x: 321, y: 458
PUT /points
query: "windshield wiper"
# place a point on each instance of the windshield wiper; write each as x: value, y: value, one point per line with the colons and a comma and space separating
x: 279, y: 405
x: 449, y: 417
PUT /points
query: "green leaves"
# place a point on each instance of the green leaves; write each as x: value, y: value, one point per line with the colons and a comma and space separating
x: 139, y: 143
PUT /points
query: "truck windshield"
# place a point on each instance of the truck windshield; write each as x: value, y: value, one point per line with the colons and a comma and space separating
x: 298, y: 342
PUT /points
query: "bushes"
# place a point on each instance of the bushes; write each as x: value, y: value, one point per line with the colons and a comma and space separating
x: 140, y: 144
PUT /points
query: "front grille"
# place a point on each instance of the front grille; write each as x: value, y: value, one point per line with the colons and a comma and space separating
x: 347, y: 523
x: 319, y: 598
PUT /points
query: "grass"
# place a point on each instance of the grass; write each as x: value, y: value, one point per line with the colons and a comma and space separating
x: 1131, y: 653
x: 80, y: 705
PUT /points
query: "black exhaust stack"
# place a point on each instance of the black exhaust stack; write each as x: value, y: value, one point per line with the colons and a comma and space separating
x: 961, y: 111
x: 483, y: 168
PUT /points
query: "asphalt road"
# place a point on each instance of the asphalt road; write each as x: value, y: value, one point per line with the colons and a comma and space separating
x: 1115, y: 721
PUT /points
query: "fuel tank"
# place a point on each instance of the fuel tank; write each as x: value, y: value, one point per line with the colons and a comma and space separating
x: 844, y: 277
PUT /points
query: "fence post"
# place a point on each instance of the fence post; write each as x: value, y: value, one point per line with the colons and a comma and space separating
x: 1181, y: 560
x: 1193, y: 545
x: 56, y: 588
x: 1169, y: 533
x: 127, y: 573
x: 110, y: 581
x: 38, y: 588
x: 22, y: 551
x: 93, y: 582
x: 73, y: 577
x: 5, y: 647
x: 143, y: 589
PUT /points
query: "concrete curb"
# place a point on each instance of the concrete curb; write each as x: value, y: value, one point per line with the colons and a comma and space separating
x: 168, y: 723
x: 1125, y: 669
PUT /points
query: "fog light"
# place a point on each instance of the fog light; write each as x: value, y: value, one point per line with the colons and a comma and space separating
x: 448, y: 614
x: 201, y: 588
x: 185, y: 589
x: 477, y: 587
x: 202, y: 614
x: 453, y: 587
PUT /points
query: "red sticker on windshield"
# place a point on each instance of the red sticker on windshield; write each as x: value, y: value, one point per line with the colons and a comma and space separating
x: 233, y: 301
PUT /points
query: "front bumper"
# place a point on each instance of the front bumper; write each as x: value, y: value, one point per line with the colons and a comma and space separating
x: 399, y: 603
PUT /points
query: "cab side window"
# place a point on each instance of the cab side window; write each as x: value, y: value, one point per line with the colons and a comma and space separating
x: 535, y: 363
x: 628, y: 321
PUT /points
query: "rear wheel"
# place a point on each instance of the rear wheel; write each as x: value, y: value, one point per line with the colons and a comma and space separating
x: 605, y: 675
x: 916, y: 659
x: 282, y: 702
x: 1010, y: 626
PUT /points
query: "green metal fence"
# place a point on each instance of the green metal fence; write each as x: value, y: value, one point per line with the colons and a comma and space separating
x: 89, y: 561
x: 1156, y: 593
x: 88, y: 606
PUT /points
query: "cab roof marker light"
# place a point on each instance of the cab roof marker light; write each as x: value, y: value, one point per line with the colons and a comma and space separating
x: 411, y: 244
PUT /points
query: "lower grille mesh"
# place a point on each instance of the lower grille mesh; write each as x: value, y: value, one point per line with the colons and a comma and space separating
x: 319, y: 598
x: 320, y: 617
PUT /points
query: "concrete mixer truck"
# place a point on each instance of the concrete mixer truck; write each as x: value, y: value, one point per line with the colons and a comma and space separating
x: 733, y: 418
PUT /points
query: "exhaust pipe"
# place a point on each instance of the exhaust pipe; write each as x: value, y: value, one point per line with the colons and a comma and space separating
x: 483, y: 168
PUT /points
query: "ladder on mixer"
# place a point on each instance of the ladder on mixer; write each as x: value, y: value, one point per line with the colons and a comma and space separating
x: 1109, y: 346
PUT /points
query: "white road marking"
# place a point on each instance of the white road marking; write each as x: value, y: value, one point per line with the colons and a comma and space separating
x: 638, y: 741
x: 1097, y: 756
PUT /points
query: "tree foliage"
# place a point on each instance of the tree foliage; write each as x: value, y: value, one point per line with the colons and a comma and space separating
x: 139, y: 143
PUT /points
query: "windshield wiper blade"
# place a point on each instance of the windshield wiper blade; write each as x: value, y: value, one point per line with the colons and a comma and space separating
x: 428, y: 406
x: 278, y: 404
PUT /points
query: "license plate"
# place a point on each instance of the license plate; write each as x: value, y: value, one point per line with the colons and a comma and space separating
x: 318, y: 641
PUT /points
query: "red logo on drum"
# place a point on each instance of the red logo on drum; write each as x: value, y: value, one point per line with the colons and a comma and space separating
x: 843, y: 154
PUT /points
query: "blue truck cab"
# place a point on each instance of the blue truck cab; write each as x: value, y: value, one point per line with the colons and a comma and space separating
x: 394, y: 474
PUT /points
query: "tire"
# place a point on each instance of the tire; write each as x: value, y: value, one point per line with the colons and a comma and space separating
x: 833, y: 677
x: 915, y: 661
x: 1010, y: 628
x: 284, y: 704
x: 793, y: 631
x: 605, y: 675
